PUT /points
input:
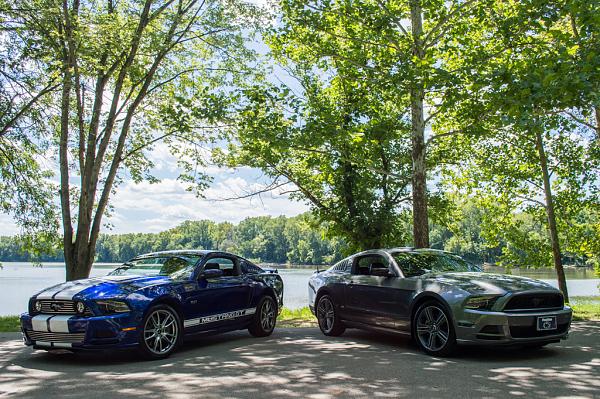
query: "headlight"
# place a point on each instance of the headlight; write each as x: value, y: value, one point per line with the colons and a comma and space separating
x: 38, y: 306
x: 112, y: 306
x: 80, y: 307
x: 481, y: 302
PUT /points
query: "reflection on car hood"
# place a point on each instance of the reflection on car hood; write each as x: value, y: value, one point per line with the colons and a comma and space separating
x: 477, y: 282
x: 101, y: 287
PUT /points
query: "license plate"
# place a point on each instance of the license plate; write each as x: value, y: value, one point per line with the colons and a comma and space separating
x: 545, y: 323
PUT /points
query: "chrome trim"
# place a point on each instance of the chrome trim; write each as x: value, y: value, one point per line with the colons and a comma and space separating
x: 53, y: 337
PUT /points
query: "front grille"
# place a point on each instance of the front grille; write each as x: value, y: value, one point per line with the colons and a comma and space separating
x: 532, y: 331
x: 55, y: 336
x: 526, y: 302
x: 52, y: 306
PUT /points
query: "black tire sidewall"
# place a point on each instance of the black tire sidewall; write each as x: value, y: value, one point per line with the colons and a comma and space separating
x: 337, y: 328
x: 450, y: 345
x: 146, y: 352
x: 255, y: 327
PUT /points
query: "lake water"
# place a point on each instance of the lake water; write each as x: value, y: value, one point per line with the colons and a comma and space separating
x: 18, y: 281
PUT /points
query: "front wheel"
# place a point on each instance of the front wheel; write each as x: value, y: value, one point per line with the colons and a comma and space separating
x: 161, y: 331
x: 433, y: 329
x: 328, y: 318
x: 265, y: 317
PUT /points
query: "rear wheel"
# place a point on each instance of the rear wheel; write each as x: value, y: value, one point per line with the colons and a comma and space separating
x: 328, y: 318
x: 433, y: 330
x: 265, y: 317
x: 161, y: 332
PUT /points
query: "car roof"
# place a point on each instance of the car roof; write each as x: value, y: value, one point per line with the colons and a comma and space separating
x: 196, y: 252
x: 412, y: 250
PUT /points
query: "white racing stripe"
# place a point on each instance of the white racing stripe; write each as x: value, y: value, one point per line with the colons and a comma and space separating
x: 40, y: 322
x: 49, y: 293
x: 60, y: 323
x: 218, y: 317
x: 70, y: 292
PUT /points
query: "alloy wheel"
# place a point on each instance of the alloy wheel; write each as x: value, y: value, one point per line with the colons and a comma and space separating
x: 433, y: 328
x: 326, y: 314
x: 267, y: 315
x: 161, y: 332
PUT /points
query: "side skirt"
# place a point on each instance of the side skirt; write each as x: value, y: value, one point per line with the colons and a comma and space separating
x: 386, y: 330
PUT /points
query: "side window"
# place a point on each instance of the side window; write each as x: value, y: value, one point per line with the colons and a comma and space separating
x: 228, y: 266
x: 364, y: 264
x: 341, y: 266
x: 250, y: 268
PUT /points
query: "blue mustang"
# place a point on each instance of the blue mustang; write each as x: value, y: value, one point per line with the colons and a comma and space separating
x: 153, y: 301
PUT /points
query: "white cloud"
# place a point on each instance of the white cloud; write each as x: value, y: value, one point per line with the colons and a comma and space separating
x: 149, y: 207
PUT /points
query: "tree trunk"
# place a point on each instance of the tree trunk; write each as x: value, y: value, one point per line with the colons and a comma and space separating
x: 597, y: 113
x: 552, y: 228
x: 65, y: 199
x: 419, y: 173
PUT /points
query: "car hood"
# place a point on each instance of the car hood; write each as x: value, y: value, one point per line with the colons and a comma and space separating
x: 101, y: 287
x: 487, y: 283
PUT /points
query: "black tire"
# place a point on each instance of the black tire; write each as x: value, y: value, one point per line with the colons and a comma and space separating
x: 328, y: 317
x: 263, y: 322
x: 163, y: 320
x: 433, y: 330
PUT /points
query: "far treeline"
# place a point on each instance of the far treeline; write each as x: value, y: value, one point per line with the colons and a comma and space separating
x: 301, y: 240
x: 389, y: 117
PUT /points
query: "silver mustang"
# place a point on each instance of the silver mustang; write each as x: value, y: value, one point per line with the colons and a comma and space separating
x: 437, y: 298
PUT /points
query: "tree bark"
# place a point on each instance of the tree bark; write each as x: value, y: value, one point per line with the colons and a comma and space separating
x: 597, y: 113
x: 65, y: 199
x: 419, y: 173
x: 552, y: 228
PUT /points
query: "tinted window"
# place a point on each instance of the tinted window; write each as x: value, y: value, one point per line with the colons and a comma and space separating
x: 251, y: 268
x: 363, y: 264
x: 228, y: 265
x: 174, y: 266
x: 415, y: 264
x: 341, y: 266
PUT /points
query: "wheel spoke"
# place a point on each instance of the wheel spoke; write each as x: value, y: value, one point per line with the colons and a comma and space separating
x: 428, y: 315
x: 443, y: 336
x: 430, y: 341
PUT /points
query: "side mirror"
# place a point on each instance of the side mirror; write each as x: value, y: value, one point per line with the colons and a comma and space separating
x: 211, y: 273
x: 382, y: 272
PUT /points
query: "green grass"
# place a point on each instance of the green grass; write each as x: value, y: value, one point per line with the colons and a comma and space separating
x: 9, y: 323
x: 586, y: 307
x: 302, y: 317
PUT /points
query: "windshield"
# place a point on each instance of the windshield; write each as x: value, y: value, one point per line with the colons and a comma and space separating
x: 175, y: 266
x: 416, y: 264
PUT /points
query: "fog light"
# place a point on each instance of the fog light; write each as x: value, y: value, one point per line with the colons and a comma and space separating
x: 80, y: 307
x: 38, y: 306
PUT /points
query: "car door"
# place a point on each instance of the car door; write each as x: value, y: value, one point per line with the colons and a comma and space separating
x: 218, y: 302
x: 371, y: 299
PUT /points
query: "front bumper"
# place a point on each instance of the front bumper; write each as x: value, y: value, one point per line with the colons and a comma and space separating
x: 45, y: 331
x: 474, y: 327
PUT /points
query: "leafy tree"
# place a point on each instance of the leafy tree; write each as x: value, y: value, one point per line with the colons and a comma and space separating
x: 25, y: 190
x: 342, y: 145
x: 130, y: 74
x: 531, y: 158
